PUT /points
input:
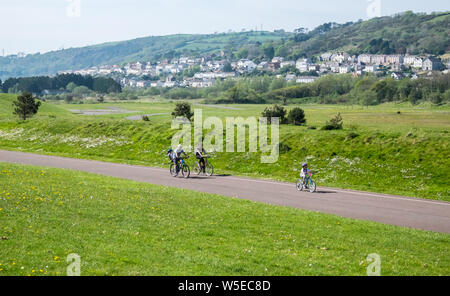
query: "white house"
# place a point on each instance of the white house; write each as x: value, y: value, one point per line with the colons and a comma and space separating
x: 277, y: 59
x: 287, y: 64
x: 397, y: 76
x: 379, y: 59
x: 340, y: 57
x: 409, y: 59
x: 246, y: 65
x: 306, y: 79
x: 370, y: 69
x: 290, y: 77
x: 313, y: 67
x: 395, y: 59
x: 365, y: 59
x: 302, y: 65
x: 418, y: 63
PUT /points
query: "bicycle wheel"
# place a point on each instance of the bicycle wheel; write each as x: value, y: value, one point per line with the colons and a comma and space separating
x: 173, y: 170
x: 185, y: 171
x: 209, y: 170
x: 299, y: 185
x: 312, y: 186
x: 197, y: 169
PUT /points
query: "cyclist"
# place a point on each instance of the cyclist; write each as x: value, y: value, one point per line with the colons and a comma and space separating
x: 170, y: 154
x: 200, y: 153
x: 305, y: 173
x: 177, y: 155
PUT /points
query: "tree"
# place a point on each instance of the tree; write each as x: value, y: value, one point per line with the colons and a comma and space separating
x: 71, y: 86
x: 297, y: 116
x: 81, y: 91
x: 227, y: 67
x: 277, y: 83
x: 268, y: 50
x: 282, y: 50
x: 275, y: 111
x: 242, y: 53
x: 105, y: 85
x: 26, y: 106
x: 183, y: 109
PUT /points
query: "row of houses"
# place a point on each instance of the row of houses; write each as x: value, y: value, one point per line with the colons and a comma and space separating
x: 429, y: 63
x: 211, y: 70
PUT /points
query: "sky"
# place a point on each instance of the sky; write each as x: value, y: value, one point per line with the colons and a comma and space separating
x: 32, y: 26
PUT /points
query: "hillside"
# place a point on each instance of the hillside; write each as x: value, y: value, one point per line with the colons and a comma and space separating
x: 403, y: 33
x: 141, y: 49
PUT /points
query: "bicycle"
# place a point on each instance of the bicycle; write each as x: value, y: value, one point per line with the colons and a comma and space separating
x: 308, y: 183
x: 208, y: 169
x: 181, y: 166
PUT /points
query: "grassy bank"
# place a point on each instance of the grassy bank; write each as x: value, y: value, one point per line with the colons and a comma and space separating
x: 120, y: 227
x: 378, y: 150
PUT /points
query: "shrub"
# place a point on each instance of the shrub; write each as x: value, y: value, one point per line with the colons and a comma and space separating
x: 26, y: 106
x: 145, y: 118
x: 297, y: 116
x: 183, y: 109
x: 335, y: 123
x: 275, y: 111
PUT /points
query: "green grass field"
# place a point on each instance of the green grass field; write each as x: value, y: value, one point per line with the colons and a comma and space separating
x: 378, y: 150
x: 120, y: 227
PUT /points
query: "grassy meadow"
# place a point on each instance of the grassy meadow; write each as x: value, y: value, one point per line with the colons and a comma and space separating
x: 378, y: 150
x: 121, y: 227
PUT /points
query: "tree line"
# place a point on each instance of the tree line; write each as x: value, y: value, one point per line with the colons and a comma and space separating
x: 330, y: 89
x: 38, y: 84
x: 333, y: 89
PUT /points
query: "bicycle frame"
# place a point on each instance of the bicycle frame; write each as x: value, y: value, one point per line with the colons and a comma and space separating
x: 205, y: 158
x: 307, y: 180
x: 180, y: 163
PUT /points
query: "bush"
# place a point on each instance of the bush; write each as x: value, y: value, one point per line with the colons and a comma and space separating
x: 275, y: 111
x: 183, y: 109
x: 26, y: 106
x: 335, y: 123
x: 297, y: 116
x: 145, y: 118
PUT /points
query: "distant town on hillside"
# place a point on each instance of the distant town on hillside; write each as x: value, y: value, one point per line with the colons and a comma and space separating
x: 204, y: 71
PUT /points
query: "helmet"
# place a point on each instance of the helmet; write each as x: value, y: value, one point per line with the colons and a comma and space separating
x: 304, y: 165
x: 170, y: 150
x: 179, y: 146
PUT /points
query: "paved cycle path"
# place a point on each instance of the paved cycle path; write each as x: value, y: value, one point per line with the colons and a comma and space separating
x: 389, y: 209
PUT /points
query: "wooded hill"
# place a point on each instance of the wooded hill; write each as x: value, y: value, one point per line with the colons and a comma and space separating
x: 403, y: 33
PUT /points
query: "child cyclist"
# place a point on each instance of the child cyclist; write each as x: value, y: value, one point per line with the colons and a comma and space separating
x: 305, y: 173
